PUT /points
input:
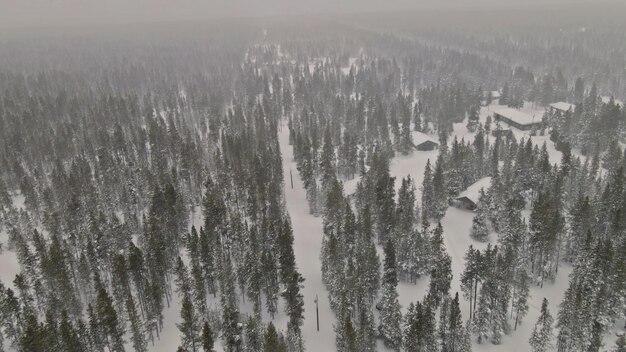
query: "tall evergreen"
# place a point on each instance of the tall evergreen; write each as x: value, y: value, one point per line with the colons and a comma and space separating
x: 480, y: 229
x: 207, y: 338
x: 272, y: 341
x: 136, y: 326
x: 390, y: 315
x: 541, y: 337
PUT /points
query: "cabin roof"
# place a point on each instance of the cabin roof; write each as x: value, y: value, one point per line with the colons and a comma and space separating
x: 518, y: 117
x: 419, y: 138
x: 563, y: 106
x: 473, y: 192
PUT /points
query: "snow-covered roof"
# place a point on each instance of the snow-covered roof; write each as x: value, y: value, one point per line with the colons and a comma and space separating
x: 495, y: 94
x: 518, y: 116
x: 473, y: 192
x: 419, y: 138
x: 606, y: 99
x: 563, y: 106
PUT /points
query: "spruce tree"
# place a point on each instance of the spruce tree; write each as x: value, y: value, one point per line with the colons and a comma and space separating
x: 366, y: 331
x: 207, y: 338
x: 480, y: 230
x: 482, y: 319
x: 189, y: 325
x: 429, y: 205
x: 457, y: 339
x: 390, y: 315
x: 346, y: 340
x: 541, y: 336
x: 253, y: 335
x: 272, y: 342
x: 136, y: 326
x: 294, y: 307
x: 520, y: 298
x: 108, y: 321
x: 439, y: 189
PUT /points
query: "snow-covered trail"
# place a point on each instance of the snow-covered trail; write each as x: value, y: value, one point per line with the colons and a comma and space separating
x: 307, y: 231
x: 9, y: 265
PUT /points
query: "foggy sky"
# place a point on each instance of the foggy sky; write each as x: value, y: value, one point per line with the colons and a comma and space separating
x: 41, y: 13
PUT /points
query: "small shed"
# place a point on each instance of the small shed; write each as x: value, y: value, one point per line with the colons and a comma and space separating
x: 561, y: 107
x: 423, y: 142
x: 469, y: 198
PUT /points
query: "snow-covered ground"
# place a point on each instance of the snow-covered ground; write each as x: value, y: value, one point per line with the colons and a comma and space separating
x: 307, y: 231
x: 9, y: 265
x: 457, y: 225
x: 307, y: 244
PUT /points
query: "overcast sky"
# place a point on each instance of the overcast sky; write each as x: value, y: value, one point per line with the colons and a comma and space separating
x: 29, y: 13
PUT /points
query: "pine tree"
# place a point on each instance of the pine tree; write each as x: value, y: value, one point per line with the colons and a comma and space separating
x: 108, y: 321
x: 33, y: 338
x: 136, y: 326
x: 480, y: 230
x: 231, y: 327
x: 457, y: 339
x: 183, y: 280
x: 286, y: 258
x: 596, y: 337
x: 541, y: 337
x: 472, y: 119
x: 390, y: 315
x: 481, y: 322
x: 294, y: 307
x: 470, y: 278
x: 429, y: 206
x: 346, y: 340
x: 69, y: 339
x: 520, y: 298
x: 96, y: 337
x: 189, y: 326
x: 441, y: 270
x: 253, y: 335
x: 412, y: 329
x: 366, y: 331
x: 439, y: 189
x: 207, y: 338
x: 272, y: 342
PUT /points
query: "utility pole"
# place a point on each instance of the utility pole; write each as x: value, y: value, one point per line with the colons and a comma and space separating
x: 291, y: 178
x: 317, y: 313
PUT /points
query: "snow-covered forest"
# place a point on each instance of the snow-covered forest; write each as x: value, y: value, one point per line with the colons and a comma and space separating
x: 357, y: 183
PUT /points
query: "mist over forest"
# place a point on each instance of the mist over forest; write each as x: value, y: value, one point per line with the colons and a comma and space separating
x: 282, y: 176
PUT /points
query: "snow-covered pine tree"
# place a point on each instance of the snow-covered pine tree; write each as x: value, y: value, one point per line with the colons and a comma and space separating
x: 366, y: 330
x: 136, y: 326
x: 480, y: 227
x: 272, y: 341
x: 429, y: 206
x: 390, y: 315
x: 541, y: 336
x: 207, y: 338
x: 520, y: 296
x: 346, y: 338
x: 481, y: 322
x: 457, y: 338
